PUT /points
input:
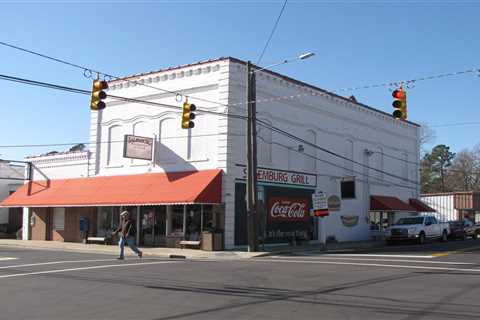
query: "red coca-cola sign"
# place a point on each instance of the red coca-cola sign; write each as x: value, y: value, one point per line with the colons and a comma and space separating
x: 288, y: 209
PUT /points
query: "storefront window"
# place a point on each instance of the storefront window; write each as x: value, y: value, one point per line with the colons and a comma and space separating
x: 153, y: 225
x: 194, y: 221
x: 379, y: 221
x: 108, y: 220
x: 176, y: 220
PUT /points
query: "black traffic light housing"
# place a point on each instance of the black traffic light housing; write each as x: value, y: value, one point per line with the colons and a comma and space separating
x: 400, y: 104
x: 98, y: 94
x: 188, y: 115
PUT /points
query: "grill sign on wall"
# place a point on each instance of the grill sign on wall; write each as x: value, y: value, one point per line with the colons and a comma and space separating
x: 288, y: 209
x: 137, y: 147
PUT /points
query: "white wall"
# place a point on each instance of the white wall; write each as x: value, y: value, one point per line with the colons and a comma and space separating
x: 444, y: 206
x: 336, y: 124
x: 8, y: 170
x: 177, y: 149
x: 60, y: 166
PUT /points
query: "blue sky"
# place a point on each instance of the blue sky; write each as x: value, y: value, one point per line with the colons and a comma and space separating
x: 356, y: 43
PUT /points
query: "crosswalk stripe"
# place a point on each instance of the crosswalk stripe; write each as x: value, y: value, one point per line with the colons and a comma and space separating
x: 7, y: 258
x: 320, y: 258
x: 86, y: 268
x: 393, y: 266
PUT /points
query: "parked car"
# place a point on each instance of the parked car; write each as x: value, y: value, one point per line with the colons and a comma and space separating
x: 457, y: 230
x: 417, y: 228
x: 471, y: 230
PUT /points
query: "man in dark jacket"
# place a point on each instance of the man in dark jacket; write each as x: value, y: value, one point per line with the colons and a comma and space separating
x: 126, y: 230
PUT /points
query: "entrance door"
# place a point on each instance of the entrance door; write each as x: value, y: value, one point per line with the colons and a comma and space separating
x: 153, y: 225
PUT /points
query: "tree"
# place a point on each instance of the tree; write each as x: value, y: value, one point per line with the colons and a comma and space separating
x: 434, y: 168
x: 460, y: 175
x: 77, y: 147
x: 427, y: 136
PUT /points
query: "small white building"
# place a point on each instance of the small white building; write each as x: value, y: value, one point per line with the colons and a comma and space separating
x: 11, y: 178
x: 451, y: 206
x: 363, y: 153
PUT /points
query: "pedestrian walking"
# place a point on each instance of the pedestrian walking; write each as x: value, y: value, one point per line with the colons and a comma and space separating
x: 127, y: 235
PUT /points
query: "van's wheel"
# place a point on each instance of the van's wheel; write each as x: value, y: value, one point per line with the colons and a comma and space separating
x: 421, y: 238
x: 444, y: 237
x: 475, y: 236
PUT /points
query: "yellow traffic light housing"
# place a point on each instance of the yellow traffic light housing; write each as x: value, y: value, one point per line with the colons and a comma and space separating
x: 400, y: 104
x: 188, y: 115
x: 98, y: 94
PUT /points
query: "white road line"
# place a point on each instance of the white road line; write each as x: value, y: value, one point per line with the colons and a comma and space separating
x: 368, y: 265
x: 54, y: 262
x: 379, y: 255
x: 85, y: 268
x: 319, y: 258
x: 7, y: 258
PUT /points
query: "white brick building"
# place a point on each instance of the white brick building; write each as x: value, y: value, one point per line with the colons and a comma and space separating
x: 358, y: 132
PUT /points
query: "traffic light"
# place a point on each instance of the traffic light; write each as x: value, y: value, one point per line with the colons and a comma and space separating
x: 98, y: 94
x: 400, y: 104
x: 188, y: 115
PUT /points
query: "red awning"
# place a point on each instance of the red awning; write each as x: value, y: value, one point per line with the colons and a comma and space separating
x: 420, y: 206
x: 141, y: 189
x: 384, y: 203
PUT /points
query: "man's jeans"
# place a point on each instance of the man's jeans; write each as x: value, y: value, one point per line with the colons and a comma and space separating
x: 130, y: 241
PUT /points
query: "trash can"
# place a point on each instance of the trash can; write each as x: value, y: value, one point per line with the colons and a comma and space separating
x: 212, y: 241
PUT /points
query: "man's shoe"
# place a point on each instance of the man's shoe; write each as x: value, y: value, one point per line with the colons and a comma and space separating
x: 120, y: 258
x: 140, y: 254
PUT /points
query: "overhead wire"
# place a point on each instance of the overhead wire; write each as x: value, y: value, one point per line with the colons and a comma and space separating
x: 379, y: 180
x: 234, y: 105
x: 272, y: 32
x: 261, y: 122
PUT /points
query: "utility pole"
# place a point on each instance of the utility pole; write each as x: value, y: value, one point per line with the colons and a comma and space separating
x: 251, y: 146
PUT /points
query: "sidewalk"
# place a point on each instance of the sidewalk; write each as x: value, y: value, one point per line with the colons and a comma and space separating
x: 185, y: 253
x: 113, y: 250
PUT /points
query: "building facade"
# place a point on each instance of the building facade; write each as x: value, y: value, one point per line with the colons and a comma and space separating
x: 343, y: 148
x: 453, y: 206
x: 11, y: 178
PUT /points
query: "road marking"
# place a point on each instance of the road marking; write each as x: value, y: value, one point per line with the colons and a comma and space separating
x: 442, y: 254
x: 7, y: 258
x: 54, y: 262
x: 378, y: 255
x: 368, y: 265
x: 85, y: 268
x: 373, y: 259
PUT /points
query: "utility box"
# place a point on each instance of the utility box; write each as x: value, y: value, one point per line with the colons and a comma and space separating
x: 212, y: 241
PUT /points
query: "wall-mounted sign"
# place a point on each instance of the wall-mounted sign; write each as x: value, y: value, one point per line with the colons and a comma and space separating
x: 333, y: 203
x: 273, y: 176
x: 288, y: 209
x: 349, y: 220
x: 137, y: 147
x: 319, y: 201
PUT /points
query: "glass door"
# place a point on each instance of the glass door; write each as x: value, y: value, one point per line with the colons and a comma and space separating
x: 153, y: 225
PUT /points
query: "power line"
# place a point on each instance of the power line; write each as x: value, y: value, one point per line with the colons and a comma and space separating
x: 261, y: 122
x: 106, y: 142
x: 293, y: 137
x: 287, y: 97
x: 455, y: 124
x: 88, y: 70
x: 271, y: 33
x: 338, y: 166
x: 87, y: 92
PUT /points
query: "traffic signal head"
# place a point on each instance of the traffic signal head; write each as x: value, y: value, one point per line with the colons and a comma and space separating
x: 98, y: 94
x: 188, y: 115
x: 400, y: 104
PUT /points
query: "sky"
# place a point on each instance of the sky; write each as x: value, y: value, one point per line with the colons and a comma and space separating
x: 356, y: 44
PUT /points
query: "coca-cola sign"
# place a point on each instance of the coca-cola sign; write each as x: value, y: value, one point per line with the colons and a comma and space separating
x: 288, y: 209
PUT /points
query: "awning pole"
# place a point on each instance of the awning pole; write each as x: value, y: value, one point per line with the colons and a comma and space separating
x: 184, y: 221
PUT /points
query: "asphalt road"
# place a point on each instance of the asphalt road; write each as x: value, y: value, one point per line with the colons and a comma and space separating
x: 400, y: 282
